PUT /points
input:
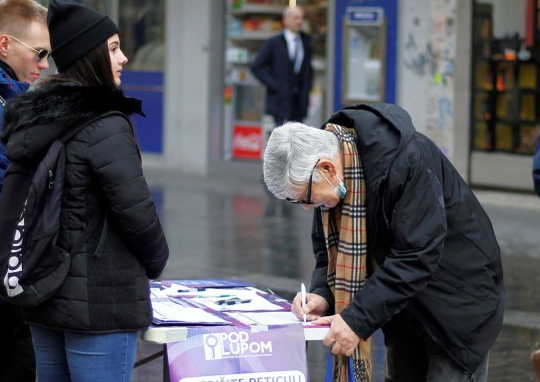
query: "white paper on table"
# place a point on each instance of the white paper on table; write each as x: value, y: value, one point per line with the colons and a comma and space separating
x: 157, y: 293
x: 265, y: 318
x: 210, y: 296
x: 177, y: 291
x: 256, y: 303
x: 169, y: 311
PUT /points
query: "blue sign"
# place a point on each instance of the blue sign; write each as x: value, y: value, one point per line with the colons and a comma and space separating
x: 344, y: 18
x: 364, y: 16
x: 148, y: 86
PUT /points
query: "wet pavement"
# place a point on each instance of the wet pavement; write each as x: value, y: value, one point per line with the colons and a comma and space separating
x: 228, y: 227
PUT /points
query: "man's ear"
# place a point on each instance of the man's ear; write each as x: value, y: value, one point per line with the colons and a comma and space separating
x: 327, y: 166
x: 4, y: 43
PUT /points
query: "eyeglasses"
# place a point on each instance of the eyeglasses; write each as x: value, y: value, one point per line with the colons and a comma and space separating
x: 310, y: 182
x: 40, y: 54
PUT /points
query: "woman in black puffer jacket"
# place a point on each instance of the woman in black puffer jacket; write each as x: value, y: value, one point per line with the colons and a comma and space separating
x: 88, y: 330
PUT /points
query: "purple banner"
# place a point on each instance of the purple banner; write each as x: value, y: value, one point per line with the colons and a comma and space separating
x: 232, y: 354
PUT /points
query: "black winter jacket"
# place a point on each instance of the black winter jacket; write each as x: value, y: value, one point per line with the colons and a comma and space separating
x: 106, y: 289
x: 434, y: 247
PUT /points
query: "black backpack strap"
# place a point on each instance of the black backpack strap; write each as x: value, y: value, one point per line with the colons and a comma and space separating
x: 92, y: 224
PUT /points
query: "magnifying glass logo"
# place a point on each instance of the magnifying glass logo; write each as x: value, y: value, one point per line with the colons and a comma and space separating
x: 211, y: 341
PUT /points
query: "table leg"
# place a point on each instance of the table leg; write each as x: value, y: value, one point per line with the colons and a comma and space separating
x: 166, y: 374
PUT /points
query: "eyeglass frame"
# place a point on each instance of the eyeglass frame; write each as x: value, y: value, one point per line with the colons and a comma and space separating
x: 310, y: 183
x: 38, y: 52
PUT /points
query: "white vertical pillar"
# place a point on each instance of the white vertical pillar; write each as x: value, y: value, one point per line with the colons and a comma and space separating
x: 434, y: 72
x: 187, y: 79
x: 462, y: 87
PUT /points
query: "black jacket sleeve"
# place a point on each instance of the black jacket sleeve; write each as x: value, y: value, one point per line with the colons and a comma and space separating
x: 536, y: 168
x: 319, y: 279
x: 114, y: 156
x: 418, y: 229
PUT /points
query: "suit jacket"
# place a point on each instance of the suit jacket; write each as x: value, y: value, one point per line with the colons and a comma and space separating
x: 273, y: 67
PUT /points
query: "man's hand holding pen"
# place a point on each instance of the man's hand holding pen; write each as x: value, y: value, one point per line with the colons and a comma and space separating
x: 315, y: 306
x: 341, y: 339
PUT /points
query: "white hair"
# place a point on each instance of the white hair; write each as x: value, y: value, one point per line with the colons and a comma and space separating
x: 291, y: 154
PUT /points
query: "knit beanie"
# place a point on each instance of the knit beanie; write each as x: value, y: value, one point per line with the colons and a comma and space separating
x: 75, y: 30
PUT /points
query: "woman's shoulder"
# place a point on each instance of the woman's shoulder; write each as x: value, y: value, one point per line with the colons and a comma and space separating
x: 109, y: 124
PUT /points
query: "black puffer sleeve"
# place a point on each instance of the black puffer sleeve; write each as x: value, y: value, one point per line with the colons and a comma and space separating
x: 114, y: 156
x: 319, y: 278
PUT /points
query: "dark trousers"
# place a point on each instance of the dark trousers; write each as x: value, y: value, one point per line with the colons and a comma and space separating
x: 413, y: 356
x: 17, y: 361
x: 295, y: 114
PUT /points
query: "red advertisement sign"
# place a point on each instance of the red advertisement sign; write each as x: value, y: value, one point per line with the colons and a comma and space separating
x: 247, y: 142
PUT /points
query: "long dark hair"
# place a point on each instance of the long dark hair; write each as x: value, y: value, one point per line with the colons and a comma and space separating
x: 92, y: 69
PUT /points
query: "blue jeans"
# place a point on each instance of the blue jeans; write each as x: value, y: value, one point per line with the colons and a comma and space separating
x: 65, y: 357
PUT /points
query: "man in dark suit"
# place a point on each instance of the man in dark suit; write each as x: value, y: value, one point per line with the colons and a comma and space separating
x: 283, y: 65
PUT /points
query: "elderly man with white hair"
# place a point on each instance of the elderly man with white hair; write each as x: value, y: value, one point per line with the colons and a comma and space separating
x: 400, y: 241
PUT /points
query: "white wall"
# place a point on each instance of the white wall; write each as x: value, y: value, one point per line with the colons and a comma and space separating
x: 413, y: 60
x: 187, y: 84
x: 434, y: 72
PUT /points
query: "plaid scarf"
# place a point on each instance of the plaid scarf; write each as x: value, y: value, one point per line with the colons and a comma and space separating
x: 345, y: 233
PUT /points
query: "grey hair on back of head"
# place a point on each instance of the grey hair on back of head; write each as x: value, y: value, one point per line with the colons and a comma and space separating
x: 291, y: 154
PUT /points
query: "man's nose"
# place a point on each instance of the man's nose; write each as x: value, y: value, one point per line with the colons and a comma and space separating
x: 43, y: 64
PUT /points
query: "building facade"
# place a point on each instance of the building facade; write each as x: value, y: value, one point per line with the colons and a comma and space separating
x: 189, y: 63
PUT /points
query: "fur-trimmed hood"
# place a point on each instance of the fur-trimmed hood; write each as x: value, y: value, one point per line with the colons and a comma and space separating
x: 34, y: 119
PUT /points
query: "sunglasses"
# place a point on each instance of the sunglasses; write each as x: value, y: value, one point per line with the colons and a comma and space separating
x: 310, y: 182
x: 40, y: 54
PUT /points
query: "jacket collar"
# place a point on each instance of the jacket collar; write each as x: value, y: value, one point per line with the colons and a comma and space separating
x: 9, y: 84
x: 34, y: 119
x: 382, y: 130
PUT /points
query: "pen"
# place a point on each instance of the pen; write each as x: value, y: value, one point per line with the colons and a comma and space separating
x: 233, y: 301
x: 303, y: 293
x: 191, y: 290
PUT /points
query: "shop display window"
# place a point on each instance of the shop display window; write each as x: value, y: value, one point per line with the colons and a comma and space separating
x: 142, y: 25
x: 506, y: 89
x: 249, y: 23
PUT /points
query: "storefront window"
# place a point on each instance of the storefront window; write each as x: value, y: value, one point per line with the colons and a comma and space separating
x: 142, y: 25
x: 505, y: 94
x: 249, y: 23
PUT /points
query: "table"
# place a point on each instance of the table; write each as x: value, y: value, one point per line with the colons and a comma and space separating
x: 166, y: 334
x: 207, y: 294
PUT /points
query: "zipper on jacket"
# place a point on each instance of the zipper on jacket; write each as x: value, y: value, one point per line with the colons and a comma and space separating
x: 50, y: 183
x: 375, y: 213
